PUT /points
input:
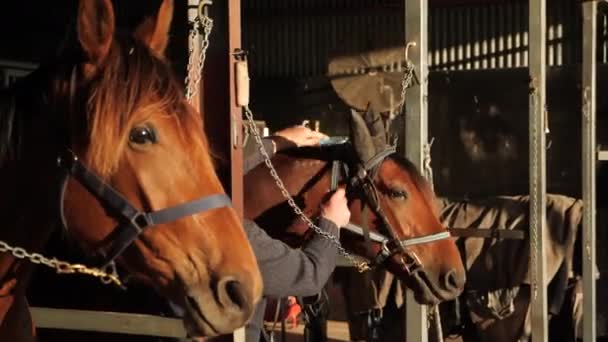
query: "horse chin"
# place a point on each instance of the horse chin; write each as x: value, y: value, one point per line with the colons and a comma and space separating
x: 204, y: 318
x: 426, y: 292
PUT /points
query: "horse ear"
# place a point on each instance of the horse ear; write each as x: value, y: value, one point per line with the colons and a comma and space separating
x: 377, y: 130
x: 154, y: 32
x: 95, y: 30
x: 360, y: 137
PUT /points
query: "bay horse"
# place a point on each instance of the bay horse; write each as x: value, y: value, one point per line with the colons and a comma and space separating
x: 103, y: 141
x: 391, y: 203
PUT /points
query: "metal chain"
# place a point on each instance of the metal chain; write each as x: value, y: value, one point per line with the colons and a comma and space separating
x: 194, y: 71
x: 406, y: 82
x: 428, y: 169
x: 361, y: 266
x: 534, y: 194
x: 61, y: 267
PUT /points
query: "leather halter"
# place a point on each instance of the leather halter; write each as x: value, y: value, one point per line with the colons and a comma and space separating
x: 362, y: 180
x: 132, y: 222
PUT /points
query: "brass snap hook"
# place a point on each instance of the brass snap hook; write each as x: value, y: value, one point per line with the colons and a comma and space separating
x: 203, y: 8
x: 407, y: 50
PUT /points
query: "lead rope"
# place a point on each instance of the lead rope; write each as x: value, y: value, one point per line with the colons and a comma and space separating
x: 61, y: 267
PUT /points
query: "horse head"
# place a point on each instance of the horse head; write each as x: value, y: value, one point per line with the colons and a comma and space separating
x: 139, y: 186
x: 394, y: 217
x: 400, y: 205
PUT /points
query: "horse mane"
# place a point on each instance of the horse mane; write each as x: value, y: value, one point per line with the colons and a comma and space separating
x: 133, y: 78
x: 9, y: 142
x: 12, y: 117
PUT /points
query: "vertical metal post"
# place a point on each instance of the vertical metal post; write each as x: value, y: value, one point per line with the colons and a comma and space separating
x: 416, y: 133
x: 236, y: 123
x: 236, y: 112
x: 589, y: 159
x: 537, y: 159
x: 223, y: 117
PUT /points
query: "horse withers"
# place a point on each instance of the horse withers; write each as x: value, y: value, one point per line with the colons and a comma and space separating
x: 104, y: 141
x: 391, y: 203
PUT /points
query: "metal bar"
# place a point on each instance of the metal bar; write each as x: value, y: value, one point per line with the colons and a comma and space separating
x: 236, y: 123
x: 111, y: 322
x: 5, y: 63
x: 537, y: 115
x: 602, y: 155
x: 589, y: 87
x: 416, y: 133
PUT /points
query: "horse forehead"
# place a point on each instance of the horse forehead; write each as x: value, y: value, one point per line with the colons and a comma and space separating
x: 390, y: 171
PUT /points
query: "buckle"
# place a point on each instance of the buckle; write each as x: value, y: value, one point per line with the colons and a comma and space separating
x: 361, y: 173
x: 383, y: 255
x: 140, y: 221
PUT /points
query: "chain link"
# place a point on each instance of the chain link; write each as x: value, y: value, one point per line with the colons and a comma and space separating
x: 361, y: 266
x: 61, y: 267
x: 194, y: 70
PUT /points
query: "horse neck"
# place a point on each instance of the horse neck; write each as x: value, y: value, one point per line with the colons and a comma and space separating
x: 307, y: 180
x: 25, y: 136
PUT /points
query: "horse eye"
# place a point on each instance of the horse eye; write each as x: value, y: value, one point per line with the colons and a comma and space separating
x: 401, y: 194
x: 142, y: 135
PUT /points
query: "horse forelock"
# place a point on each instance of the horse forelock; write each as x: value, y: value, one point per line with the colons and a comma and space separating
x: 132, y: 85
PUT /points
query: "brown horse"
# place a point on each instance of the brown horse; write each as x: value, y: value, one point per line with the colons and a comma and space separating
x: 393, y: 200
x: 134, y: 182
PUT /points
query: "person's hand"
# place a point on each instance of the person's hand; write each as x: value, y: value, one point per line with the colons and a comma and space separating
x: 301, y: 136
x: 336, y: 208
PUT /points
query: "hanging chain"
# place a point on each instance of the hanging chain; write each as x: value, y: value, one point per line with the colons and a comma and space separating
x: 406, y: 82
x: 408, y: 75
x: 428, y: 169
x: 202, y: 24
x: 62, y: 267
x: 361, y: 266
x: 534, y: 219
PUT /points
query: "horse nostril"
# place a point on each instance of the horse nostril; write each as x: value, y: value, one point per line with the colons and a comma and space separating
x: 232, y: 293
x: 452, y: 281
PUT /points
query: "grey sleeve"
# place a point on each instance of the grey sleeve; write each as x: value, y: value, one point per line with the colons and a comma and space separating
x: 293, y: 272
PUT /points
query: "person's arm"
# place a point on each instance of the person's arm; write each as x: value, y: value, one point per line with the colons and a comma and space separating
x: 296, y: 272
x: 291, y: 137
